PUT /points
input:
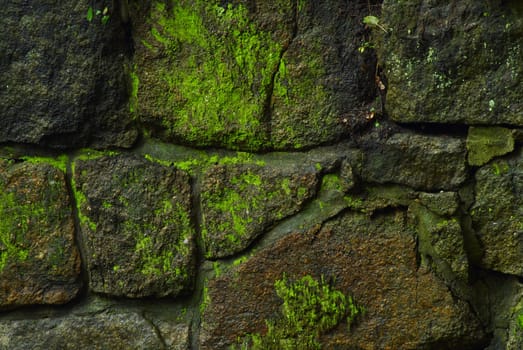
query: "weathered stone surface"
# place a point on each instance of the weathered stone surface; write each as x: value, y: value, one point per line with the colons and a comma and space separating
x: 485, y: 143
x: 214, y: 73
x: 453, y: 62
x: 426, y: 163
x: 407, y: 307
x: 136, y: 224
x: 441, y: 244
x: 497, y: 214
x: 39, y: 262
x: 105, y: 330
x: 499, y: 301
x: 239, y: 201
x: 320, y: 95
x: 63, y: 80
x: 441, y: 203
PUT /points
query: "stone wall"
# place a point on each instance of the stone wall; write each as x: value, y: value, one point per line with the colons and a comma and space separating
x: 261, y: 174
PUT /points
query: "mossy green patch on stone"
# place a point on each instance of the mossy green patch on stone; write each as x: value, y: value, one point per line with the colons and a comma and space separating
x: 240, y: 200
x: 232, y: 203
x: 332, y: 182
x: 36, y: 234
x: 81, y: 202
x: 219, y: 74
x: 135, y: 214
x: 59, y: 162
x: 300, y: 112
x: 310, y: 308
x: 133, y: 98
x: 485, y: 143
x: 15, y: 219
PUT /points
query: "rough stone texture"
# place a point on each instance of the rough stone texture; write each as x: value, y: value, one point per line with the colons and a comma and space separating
x: 453, y: 61
x: 105, y: 330
x: 441, y: 244
x: 423, y: 162
x: 485, y: 143
x: 407, y: 307
x: 497, y: 214
x: 233, y: 74
x: 499, y: 301
x: 39, y: 262
x: 136, y: 224
x: 239, y: 201
x: 441, y: 203
x: 320, y: 95
x: 63, y: 81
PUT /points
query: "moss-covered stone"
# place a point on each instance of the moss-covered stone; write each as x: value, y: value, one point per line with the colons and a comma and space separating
x: 375, y: 259
x: 451, y: 62
x: 136, y: 223
x: 485, y: 143
x: 441, y: 244
x: 233, y: 74
x: 239, y: 201
x: 213, y: 74
x: 496, y: 214
x: 36, y: 235
x: 310, y: 308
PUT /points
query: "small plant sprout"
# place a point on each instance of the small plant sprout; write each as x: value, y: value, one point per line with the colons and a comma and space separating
x: 373, y: 22
x: 91, y: 13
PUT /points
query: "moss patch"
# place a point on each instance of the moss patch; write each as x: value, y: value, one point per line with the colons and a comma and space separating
x: 310, y: 308
x: 240, y: 201
x: 485, y: 143
x: 218, y: 73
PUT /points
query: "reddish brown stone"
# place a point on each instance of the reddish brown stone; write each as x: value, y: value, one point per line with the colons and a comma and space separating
x: 39, y: 262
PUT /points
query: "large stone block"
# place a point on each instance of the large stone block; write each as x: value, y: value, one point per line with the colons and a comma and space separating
x: 372, y: 260
x: 136, y: 224
x: 108, y: 329
x: 453, y: 61
x: 63, y: 81
x: 422, y: 162
x: 39, y: 262
x: 497, y: 214
x: 240, y: 201
x: 234, y: 74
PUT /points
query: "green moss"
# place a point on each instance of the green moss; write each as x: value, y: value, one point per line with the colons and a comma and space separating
x: 81, y: 202
x: 354, y: 203
x: 240, y: 261
x: 310, y: 308
x: 216, y: 268
x: 500, y: 167
x: 238, y: 209
x: 157, y: 257
x: 301, y: 116
x: 485, y: 143
x: 89, y: 154
x: 332, y: 182
x: 206, y: 299
x: 232, y: 205
x: 15, y: 219
x: 59, y: 162
x: 202, y: 161
x: 220, y: 76
x: 133, y: 98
